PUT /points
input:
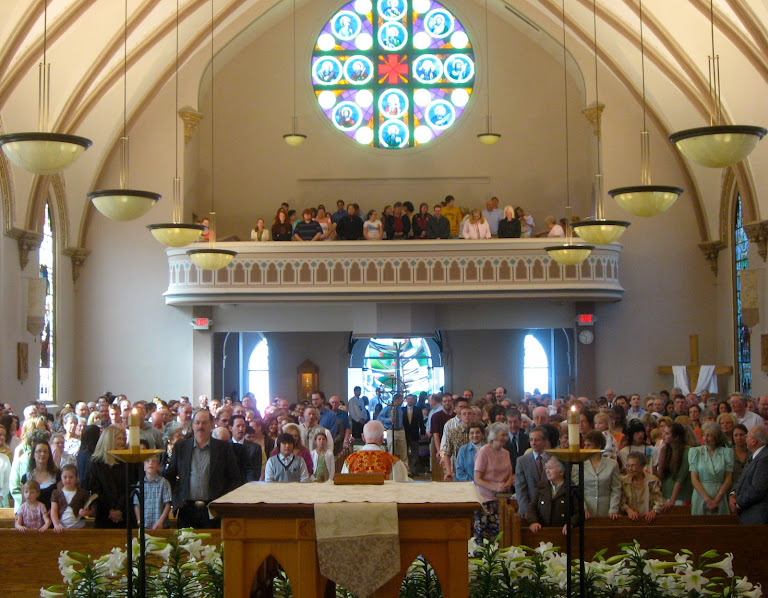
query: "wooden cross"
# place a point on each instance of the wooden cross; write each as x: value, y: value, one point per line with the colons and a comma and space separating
x: 694, y: 368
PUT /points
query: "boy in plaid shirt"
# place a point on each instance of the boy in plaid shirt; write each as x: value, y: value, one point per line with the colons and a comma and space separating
x: 157, y: 496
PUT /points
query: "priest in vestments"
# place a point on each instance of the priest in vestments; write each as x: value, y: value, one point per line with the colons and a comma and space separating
x: 371, y: 458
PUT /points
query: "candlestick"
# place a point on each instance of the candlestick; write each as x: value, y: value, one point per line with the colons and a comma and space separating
x: 134, y: 431
x: 573, y: 429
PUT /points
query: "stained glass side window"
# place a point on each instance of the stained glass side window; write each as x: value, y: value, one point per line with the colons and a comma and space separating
x: 408, y: 359
x: 46, y: 256
x: 741, y: 255
x: 393, y: 73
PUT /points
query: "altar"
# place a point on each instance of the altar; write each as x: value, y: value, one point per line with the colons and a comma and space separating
x: 260, y: 519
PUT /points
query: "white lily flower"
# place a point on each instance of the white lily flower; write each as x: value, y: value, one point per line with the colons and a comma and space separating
x: 48, y: 594
x: 726, y: 565
x: 756, y: 592
x: 694, y: 580
x: 211, y: 555
x: 164, y: 553
x: 194, y: 548
x: 544, y: 547
x: 66, y: 561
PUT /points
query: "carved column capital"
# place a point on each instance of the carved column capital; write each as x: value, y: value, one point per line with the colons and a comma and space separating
x: 28, y: 240
x: 711, y: 250
x: 593, y: 114
x: 191, y: 119
x: 757, y: 232
x: 78, y: 256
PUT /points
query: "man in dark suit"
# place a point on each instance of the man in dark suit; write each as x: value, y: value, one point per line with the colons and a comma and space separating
x: 750, y: 498
x: 529, y: 470
x: 201, y: 470
x: 248, y: 453
x: 413, y: 424
x: 518, y: 438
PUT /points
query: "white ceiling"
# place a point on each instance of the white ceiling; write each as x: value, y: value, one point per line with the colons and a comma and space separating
x: 85, y: 48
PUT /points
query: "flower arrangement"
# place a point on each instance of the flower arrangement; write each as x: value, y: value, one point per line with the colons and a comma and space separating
x: 180, y: 566
x: 177, y: 566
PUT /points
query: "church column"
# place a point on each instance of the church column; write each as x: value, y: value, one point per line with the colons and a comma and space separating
x: 202, y: 357
x: 586, y: 356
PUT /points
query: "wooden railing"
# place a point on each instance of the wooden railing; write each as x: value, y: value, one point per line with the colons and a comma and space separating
x: 360, y: 270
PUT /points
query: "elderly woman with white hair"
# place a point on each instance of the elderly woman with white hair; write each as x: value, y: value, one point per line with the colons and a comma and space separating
x: 548, y: 507
x: 493, y: 475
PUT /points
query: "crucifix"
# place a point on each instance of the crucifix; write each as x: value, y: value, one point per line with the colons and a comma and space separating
x: 694, y: 368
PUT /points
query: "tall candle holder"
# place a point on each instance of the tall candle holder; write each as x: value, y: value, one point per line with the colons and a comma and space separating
x: 132, y: 456
x: 574, y: 499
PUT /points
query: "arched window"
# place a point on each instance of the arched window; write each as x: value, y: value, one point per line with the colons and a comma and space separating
x: 414, y: 361
x: 46, y: 258
x: 258, y: 374
x: 741, y: 257
x: 535, y: 366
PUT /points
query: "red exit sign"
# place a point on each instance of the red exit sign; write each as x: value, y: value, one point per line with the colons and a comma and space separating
x: 585, y: 319
x: 201, y: 323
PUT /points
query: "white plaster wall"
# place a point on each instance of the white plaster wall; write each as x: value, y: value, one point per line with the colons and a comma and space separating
x: 670, y: 290
x: 256, y: 170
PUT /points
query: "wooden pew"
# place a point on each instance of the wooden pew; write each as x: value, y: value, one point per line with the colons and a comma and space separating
x: 29, y: 561
x: 672, y: 531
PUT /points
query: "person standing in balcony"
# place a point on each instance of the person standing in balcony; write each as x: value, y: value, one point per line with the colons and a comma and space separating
x: 398, y: 224
x: 281, y: 229
x: 350, y: 227
x: 420, y: 222
x: 509, y: 226
x: 476, y: 227
x: 372, y: 230
x: 453, y: 214
x: 307, y: 229
x: 438, y: 227
x: 260, y: 234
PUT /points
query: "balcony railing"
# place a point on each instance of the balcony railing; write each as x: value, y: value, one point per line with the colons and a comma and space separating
x: 394, y: 270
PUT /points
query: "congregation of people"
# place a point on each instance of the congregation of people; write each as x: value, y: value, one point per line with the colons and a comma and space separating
x: 697, y: 451
x: 399, y: 221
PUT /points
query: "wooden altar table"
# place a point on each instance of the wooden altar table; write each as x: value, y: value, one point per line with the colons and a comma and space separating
x: 259, y: 519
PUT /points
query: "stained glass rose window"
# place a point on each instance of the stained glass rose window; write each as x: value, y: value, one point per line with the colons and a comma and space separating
x: 393, y: 73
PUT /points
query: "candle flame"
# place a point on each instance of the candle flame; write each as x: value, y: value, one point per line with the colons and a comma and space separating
x: 573, y: 408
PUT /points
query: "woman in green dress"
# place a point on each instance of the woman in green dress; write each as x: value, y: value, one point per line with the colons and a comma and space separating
x: 711, y: 466
x: 673, y: 469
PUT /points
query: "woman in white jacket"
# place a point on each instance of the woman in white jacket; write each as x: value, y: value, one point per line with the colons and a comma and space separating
x: 477, y: 227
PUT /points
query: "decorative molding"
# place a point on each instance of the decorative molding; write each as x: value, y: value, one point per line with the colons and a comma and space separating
x: 191, y: 119
x: 412, y: 270
x: 78, y: 256
x: 27, y: 240
x: 757, y: 233
x: 711, y: 250
x: 593, y: 114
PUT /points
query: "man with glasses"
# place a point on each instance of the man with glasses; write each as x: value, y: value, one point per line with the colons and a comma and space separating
x: 738, y: 403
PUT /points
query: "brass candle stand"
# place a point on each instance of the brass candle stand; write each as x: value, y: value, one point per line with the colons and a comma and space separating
x: 574, y: 499
x: 131, y: 457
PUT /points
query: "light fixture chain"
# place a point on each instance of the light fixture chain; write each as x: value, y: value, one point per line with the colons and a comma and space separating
x: 488, y: 64
x: 597, y: 93
x: 44, y: 79
x: 567, y: 145
x: 294, y: 66
x: 642, y: 63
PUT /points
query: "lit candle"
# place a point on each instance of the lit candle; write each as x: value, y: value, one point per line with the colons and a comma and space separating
x: 573, y: 429
x: 134, y: 431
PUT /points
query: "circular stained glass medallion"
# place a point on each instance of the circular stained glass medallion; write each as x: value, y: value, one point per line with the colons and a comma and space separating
x: 393, y: 73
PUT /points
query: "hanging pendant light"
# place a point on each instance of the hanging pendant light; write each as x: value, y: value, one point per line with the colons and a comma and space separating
x: 568, y: 253
x: 598, y: 230
x: 717, y: 145
x: 488, y: 138
x: 42, y: 152
x: 176, y: 234
x: 211, y: 258
x: 645, y: 199
x: 294, y: 138
x: 124, y: 204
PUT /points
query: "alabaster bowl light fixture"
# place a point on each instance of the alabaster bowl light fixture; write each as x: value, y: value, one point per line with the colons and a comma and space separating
x: 42, y: 152
x: 294, y: 138
x: 209, y: 257
x: 488, y: 137
x: 717, y: 145
x: 568, y: 253
x: 598, y: 230
x: 176, y: 234
x: 646, y: 199
x: 124, y: 204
